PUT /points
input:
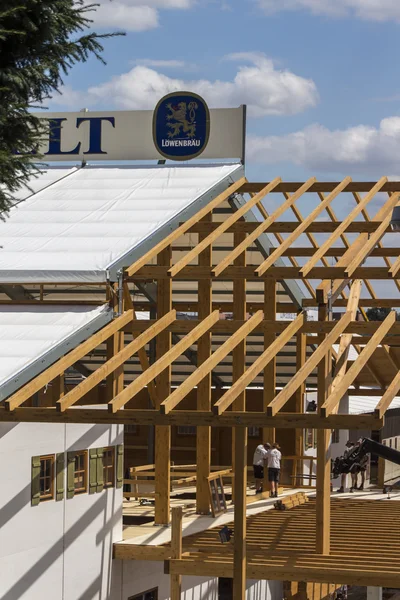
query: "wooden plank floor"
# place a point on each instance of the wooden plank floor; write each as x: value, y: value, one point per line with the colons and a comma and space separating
x: 365, y: 547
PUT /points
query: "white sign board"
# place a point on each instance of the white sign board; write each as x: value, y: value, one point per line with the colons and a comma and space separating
x: 131, y: 135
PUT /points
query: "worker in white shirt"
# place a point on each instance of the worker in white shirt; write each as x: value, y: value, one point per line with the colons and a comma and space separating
x: 274, y: 468
x: 259, y: 458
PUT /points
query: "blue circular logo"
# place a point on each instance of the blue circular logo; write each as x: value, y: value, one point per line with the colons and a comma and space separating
x: 181, y: 126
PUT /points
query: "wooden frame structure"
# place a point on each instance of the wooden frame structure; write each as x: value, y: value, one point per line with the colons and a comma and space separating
x: 178, y: 259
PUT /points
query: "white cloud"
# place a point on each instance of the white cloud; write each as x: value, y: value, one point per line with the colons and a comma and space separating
x: 133, y: 15
x: 360, y: 149
x: 373, y: 10
x: 265, y: 89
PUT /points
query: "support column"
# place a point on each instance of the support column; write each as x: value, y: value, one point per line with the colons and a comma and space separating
x: 239, y: 353
x: 270, y: 369
x: 115, y: 381
x: 203, y: 438
x: 163, y: 432
x: 176, y: 550
x: 58, y: 389
x: 301, y: 355
x: 323, y: 500
x: 239, y: 538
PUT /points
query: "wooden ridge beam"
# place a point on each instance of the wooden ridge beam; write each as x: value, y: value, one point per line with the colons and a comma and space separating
x: 212, y: 361
x: 201, y: 246
x: 259, y: 364
x: 67, y: 361
x: 321, y: 186
x: 346, y: 380
x: 162, y: 363
x: 262, y: 228
x: 273, y: 257
x: 282, y: 398
x: 342, y: 227
x: 184, y: 227
x: 190, y: 417
x: 116, y: 361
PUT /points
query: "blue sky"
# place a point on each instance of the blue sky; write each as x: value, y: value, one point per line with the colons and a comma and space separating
x: 320, y: 77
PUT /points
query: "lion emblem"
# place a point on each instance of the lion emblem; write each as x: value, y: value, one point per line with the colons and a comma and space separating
x: 179, y: 122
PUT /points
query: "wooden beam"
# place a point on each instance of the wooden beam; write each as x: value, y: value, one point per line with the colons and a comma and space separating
x: 389, y: 395
x: 189, y: 417
x: 162, y: 434
x: 231, y: 343
x: 364, y: 251
x: 116, y: 361
x: 323, y: 498
x: 345, y: 382
x: 290, y: 226
x: 67, y: 361
x: 345, y: 340
x: 164, y: 361
x: 280, y: 400
x: 259, y: 364
x: 184, y: 227
x: 240, y: 248
x: 144, y: 361
x: 193, y: 254
x: 342, y: 227
x: 125, y: 551
x: 301, y: 357
x: 269, y: 375
x: 320, y: 186
x: 176, y: 550
x: 239, y: 539
x: 195, y: 273
x: 204, y: 351
x: 301, y: 228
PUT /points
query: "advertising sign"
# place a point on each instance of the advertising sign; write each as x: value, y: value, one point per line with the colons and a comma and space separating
x: 180, y: 128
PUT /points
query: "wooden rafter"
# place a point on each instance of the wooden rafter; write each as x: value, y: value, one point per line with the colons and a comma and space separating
x: 222, y: 228
x: 280, y: 400
x: 181, y: 392
x: 262, y: 228
x: 162, y: 363
x: 358, y: 364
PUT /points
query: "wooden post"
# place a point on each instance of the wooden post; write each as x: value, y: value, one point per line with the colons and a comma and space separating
x: 163, y: 432
x: 323, y: 500
x: 239, y: 353
x: 58, y: 389
x: 203, y: 438
x: 239, y: 538
x: 270, y: 369
x: 115, y: 381
x: 176, y: 550
x: 301, y: 355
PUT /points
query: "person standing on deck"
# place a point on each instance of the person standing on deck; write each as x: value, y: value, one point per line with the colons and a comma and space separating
x: 259, y: 458
x: 274, y: 468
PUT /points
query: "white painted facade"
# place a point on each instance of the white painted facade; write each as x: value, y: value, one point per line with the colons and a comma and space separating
x: 55, y: 550
x: 137, y: 577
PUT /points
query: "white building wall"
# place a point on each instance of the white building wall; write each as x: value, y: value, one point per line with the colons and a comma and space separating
x: 141, y: 576
x: 56, y: 550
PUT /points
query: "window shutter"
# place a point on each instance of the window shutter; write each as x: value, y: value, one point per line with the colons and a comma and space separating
x: 70, y: 474
x: 60, y: 461
x: 100, y: 470
x: 92, y: 470
x: 35, y: 482
x: 120, y: 465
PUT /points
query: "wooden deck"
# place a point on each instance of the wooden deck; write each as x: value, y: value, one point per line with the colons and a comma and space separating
x: 365, y: 546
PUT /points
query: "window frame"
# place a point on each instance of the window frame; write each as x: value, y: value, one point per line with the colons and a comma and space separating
x: 142, y: 595
x: 85, y: 469
x: 191, y: 433
x: 50, y: 496
x: 106, y: 468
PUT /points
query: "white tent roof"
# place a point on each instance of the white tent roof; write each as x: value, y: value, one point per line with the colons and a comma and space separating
x: 32, y: 338
x: 43, y: 180
x: 99, y: 219
x: 367, y: 404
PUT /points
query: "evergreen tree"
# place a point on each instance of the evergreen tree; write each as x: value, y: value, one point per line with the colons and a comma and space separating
x: 40, y: 41
x: 380, y: 314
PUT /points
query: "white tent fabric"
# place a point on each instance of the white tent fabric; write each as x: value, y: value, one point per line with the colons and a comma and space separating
x: 82, y: 225
x: 367, y: 404
x: 46, y: 178
x: 33, y: 337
